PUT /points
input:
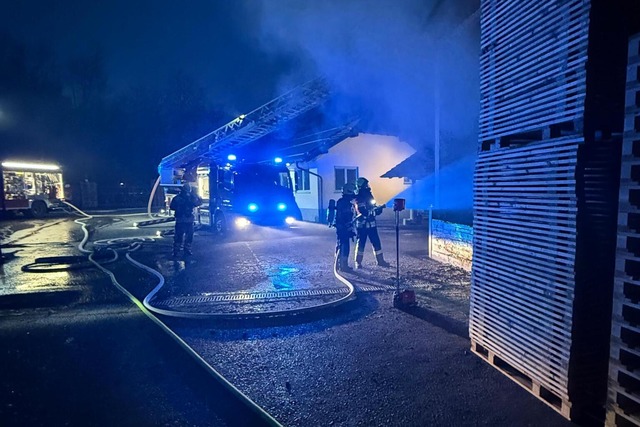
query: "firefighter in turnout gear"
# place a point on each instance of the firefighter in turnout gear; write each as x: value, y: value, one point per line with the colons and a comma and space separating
x: 343, y: 222
x: 183, y: 205
x: 366, y: 212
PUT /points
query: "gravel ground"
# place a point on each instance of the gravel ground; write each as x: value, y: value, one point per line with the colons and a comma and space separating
x: 364, y: 363
x: 369, y: 364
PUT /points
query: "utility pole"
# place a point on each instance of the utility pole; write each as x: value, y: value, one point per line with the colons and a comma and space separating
x: 436, y: 101
x: 436, y: 132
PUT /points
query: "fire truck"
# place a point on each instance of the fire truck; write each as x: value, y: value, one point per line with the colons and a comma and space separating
x: 32, y: 188
x: 237, y: 193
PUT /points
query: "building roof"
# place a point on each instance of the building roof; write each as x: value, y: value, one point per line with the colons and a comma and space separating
x: 303, y: 138
x: 418, y: 166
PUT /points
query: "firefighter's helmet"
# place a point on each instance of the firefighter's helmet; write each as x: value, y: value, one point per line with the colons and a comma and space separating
x: 349, y: 189
x: 362, y: 182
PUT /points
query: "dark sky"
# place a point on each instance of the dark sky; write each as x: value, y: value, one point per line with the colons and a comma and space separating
x: 213, y: 41
x: 392, y: 57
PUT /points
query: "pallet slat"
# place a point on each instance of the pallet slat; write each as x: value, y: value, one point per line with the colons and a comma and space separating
x: 623, y: 402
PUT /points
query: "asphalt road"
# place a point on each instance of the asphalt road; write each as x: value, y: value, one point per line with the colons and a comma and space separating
x: 360, y: 363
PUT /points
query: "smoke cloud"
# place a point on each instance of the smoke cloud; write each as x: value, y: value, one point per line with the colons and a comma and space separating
x: 397, y: 60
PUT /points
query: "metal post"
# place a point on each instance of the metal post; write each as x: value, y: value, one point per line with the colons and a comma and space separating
x: 397, y: 251
x: 436, y: 136
x: 430, y: 231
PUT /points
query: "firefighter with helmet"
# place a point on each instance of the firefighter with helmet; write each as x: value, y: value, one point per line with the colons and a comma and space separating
x: 343, y: 222
x: 366, y: 212
x: 183, y: 206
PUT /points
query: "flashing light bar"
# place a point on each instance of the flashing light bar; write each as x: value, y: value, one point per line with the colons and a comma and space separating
x: 27, y: 165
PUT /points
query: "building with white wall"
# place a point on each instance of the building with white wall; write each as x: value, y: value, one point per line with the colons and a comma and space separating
x: 365, y: 155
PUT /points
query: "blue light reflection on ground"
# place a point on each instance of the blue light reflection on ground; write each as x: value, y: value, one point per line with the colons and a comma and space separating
x: 282, y: 277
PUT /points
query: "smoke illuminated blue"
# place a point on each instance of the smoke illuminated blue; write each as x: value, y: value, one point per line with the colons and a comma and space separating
x: 456, y: 183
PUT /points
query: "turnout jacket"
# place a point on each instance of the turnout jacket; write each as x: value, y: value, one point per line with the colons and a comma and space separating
x: 366, y: 209
x: 344, y: 216
x: 183, y: 205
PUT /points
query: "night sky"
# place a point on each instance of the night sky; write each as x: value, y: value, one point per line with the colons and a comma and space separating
x: 109, y: 88
x: 147, y: 41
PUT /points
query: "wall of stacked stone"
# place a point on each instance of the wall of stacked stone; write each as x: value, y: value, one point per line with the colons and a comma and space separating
x: 451, y: 243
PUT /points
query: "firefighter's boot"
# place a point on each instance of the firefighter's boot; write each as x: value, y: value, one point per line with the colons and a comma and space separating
x: 380, y: 260
x: 344, y: 264
x: 358, y: 260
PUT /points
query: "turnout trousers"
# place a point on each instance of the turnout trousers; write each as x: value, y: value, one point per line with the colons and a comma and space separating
x: 361, y: 240
x: 343, y: 246
x: 183, y: 233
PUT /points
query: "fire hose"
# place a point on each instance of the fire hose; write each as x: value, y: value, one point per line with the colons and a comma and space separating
x: 131, y: 245
x: 106, y: 251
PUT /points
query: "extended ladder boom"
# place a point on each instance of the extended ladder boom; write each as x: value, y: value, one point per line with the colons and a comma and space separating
x: 247, y: 127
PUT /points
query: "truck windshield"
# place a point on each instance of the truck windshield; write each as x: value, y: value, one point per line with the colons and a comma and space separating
x: 263, y: 177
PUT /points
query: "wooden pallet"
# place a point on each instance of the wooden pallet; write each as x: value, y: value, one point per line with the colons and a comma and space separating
x: 539, y: 133
x: 536, y: 208
x: 522, y: 95
x: 551, y: 398
x: 623, y: 401
x: 546, y: 190
x: 524, y: 231
x: 632, y: 98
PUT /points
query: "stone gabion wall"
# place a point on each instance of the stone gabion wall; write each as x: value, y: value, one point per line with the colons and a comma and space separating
x: 452, y: 243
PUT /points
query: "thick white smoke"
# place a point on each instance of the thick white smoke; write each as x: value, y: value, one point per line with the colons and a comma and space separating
x: 396, y: 58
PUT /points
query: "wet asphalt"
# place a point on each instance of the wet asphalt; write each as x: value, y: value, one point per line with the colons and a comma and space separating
x: 80, y: 352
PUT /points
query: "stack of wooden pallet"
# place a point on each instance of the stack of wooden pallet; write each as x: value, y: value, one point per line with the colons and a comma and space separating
x: 532, y: 67
x: 546, y: 195
x: 624, y: 369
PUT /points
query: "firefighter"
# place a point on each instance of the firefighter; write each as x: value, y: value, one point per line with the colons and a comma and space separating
x: 366, y: 212
x: 343, y: 222
x: 183, y: 205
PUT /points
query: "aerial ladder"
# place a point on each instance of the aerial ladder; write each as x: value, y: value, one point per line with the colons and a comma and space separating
x: 244, y: 129
x: 241, y: 131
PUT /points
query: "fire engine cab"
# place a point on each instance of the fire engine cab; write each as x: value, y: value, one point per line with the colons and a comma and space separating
x: 243, y: 192
x: 32, y: 188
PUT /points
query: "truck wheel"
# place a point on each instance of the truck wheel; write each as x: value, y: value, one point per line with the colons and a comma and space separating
x: 220, y: 223
x: 38, y: 209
